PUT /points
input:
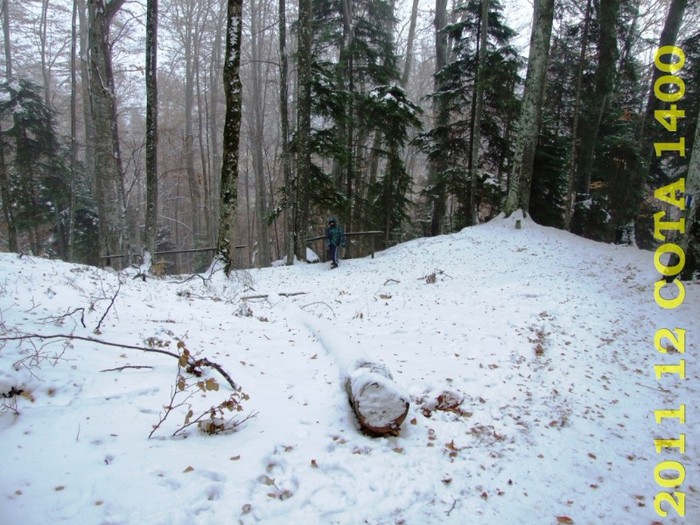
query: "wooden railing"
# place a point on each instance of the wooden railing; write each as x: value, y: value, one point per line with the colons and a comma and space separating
x: 106, y: 258
x: 372, y: 234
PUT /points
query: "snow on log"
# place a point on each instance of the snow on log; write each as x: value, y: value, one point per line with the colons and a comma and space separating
x: 378, y: 402
x: 380, y: 406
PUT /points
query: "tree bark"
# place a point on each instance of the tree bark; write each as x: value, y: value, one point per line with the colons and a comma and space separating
x: 303, y: 136
x: 691, y: 241
x: 668, y: 37
x: 4, y: 174
x: 43, y: 37
x: 190, y: 44
x: 214, y: 130
x: 438, y: 195
x: 378, y: 402
x: 379, y: 405
x: 7, y: 38
x: 113, y: 235
x: 605, y: 78
x: 290, y: 204
x: 573, y: 163
x: 257, y: 121
x: 151, y: 126
x: 478, y: 109
x: 73, y: 132
x: 408, y: 64
x: 531, y: 113
x: 229, y: 169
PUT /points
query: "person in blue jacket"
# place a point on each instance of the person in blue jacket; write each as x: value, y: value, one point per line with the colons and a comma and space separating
x: 335, y: 237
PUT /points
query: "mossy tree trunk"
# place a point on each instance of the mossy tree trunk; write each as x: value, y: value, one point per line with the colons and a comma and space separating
x: 232, y: 127
x: 531, y: 112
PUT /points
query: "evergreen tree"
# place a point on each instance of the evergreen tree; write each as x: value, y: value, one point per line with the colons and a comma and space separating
x: 390, y: 110
x: 449, y: 144
x: 353, y: 60
x: 39, y: 192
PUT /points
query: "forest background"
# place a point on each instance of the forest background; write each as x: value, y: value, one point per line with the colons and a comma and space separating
x: 237, y: 127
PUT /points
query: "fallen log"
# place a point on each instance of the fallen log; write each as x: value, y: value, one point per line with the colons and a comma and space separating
x: 378, y: 403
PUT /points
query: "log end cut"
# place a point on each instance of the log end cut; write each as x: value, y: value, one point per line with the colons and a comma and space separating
x: 378, y: 403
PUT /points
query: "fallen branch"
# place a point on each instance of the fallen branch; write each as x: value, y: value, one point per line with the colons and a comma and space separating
x: 193, y: 365
x: 318, y: 302
x: 68, y: 314
x: 111, y: 303
x: 265, y: 296
x: 122, y: 368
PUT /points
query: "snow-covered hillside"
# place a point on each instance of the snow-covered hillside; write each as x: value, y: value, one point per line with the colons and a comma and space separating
x: 528, y: 356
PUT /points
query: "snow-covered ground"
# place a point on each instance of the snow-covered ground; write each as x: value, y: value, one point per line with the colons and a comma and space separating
x: 528, y: 356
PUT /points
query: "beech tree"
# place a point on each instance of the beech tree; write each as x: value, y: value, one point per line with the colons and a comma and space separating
x: 113, y: 233
x: 229, y: 171
x: 531, y: 113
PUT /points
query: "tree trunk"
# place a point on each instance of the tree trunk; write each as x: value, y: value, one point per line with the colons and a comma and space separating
x: 7, y: 38
x: 113, y: 235
x: 192, y: 176
x: 151, y: 126
x: 84, y: 53
x: 668, y: 37
x: 214, y: 130
x: 73, y: 132
x: 573, y: 163
x: 437, y: 166
x: 43, y: 38
x: 290, y: 204
x: 303, y: 136
x: 605, y: 77
x: 531, y: 113
x: 691, y: 240
x: 408, y: 64
x: 4, y: 173
x: 257, y: 121
x: 378, y: 403
x: 478, y: 108
x: 229, y: 170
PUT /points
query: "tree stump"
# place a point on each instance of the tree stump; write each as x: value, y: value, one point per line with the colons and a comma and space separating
x: 378, y: 403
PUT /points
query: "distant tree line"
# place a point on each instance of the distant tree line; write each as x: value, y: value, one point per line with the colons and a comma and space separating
x: 236, y: 125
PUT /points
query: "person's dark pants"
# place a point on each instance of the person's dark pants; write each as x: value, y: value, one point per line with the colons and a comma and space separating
x: 333, y: 253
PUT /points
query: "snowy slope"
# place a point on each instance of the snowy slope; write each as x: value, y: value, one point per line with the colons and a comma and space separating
x: 528, y: 355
